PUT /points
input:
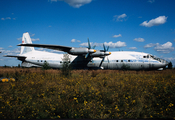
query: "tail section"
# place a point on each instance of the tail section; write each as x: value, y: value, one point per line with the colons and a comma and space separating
x: 26, y: 40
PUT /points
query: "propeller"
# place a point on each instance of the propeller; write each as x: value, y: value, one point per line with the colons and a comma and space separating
x: 105, y: 50
x: 89, y: 49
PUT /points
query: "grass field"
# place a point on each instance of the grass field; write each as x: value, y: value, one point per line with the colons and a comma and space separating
x: 93, y: 94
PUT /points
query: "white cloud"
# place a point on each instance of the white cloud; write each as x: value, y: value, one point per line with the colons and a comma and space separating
x: 37, y: 39
x: 86, y: 44
x: 169, y: 59
x: 116, y: 36
x: 32, y: 35
x: 132, y: 48
x: 154, y: 22
x: 10, y: 46
x: 139, y: 39
x: 151, y: 1
x: 151, y: 45
x: 19, y: 38
x: 74, y: 3
x: 115, y: 45
x: 165, y: 48
x: 110, y: 44
x: 1, y: 48
x: 7, y: 18
x: 74, y: 40
x: 12, y: 52
x: 120, y: 17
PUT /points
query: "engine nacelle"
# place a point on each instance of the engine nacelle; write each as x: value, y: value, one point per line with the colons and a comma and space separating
x: 81, y: 51
x: 100, y: 53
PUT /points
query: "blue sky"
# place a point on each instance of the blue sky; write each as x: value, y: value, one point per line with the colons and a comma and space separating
x: 128, y: 25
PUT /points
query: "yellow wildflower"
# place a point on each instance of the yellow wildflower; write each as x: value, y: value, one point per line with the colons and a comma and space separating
x: 75, y: 98
x: 12, y: 79
x: 85, y: 102
x: 58, y: 116
x: 170, y: 105
x: 6, y: 80
x: 3, y: 80
x: 133, y: 101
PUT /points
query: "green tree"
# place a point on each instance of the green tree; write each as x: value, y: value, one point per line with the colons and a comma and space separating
x: 19, y: 66
x: 46, y: 66
x: 125, y: 67
x: 170, y: 65
x: 66, y: 68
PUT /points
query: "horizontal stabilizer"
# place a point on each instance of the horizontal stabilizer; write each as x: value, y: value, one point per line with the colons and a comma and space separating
x: 22, y: 58
x: 54, y: 47
x: 17, y: 56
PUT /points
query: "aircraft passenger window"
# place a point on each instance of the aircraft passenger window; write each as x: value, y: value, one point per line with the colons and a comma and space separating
x: 41, y: 61
x: 128, y: 60
x: 60, y: 61
x: 144, y: 56
x: 147, y: 56
x: 37, y: 60
x: 116, y: 60
x: 121, y: 60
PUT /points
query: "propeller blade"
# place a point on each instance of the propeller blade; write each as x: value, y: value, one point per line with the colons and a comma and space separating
x: 87, y: 55
x: 89, y: 45
x: 101, y: 62
x: 107, y: 48
x: 108, y: 59
x: 104, y: 47
x: 94, y: 47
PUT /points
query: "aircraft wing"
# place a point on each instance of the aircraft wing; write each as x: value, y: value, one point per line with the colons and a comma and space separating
x: 54, y: 47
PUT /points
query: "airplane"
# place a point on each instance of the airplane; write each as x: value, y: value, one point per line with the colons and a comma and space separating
x: 86, y: 58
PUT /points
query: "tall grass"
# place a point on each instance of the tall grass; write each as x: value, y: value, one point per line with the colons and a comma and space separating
x: 87, y: 94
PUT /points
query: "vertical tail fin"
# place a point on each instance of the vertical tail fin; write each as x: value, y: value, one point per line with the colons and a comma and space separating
x: 26, y: 40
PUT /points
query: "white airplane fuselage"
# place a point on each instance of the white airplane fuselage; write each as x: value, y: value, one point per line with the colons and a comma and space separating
x: 85, y: 58
x: 117, y: 60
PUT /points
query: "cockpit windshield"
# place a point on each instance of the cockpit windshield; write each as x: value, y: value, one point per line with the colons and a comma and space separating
x: 158, y: 59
